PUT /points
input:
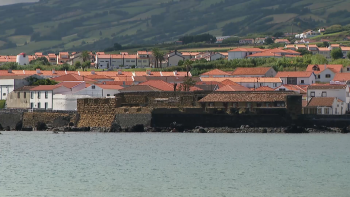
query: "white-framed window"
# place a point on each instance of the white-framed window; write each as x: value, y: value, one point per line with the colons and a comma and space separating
x: 39, y: 105
x: 275, y: 85
x: 302, y: 81
x: 108, y: 94
x: 324, y: 94
x: 46, y: 94
x: 326, y: 110
x: 39, y: 95
x: 46, y: 105
x: 31, y: 105
x: 319, y: 111
x: 144, y: 61
x: 32, y: 95
x: 328, y: 76
x: 24, y: 94
x: 93, y: 87
x: 312, y: 94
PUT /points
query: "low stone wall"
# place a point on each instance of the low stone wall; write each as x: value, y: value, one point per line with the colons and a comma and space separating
x: 129, y: 120
x: 53, y: 118
x: 10, y: 118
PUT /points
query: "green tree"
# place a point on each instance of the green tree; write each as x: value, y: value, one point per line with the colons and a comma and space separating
x: 77, y: 65
x: 348, y: 55
x: 85, y: 55
x: 156, y: 52
x: 268, y: 41
x: 181, y: 62
x: 40, y: 61
x: 188, y: 66
x: 304, y: 52
x: 231, y: 40
x: 187, y: 84
x: 86, y: 65
x: 278, y: 34
x: 326, y: 44
x: 337, y: 53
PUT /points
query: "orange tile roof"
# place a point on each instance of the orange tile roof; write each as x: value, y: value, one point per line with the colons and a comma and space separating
x: 144, y: 52
x: 321, y: 102
x: 323, y: 49
x: 189, y: 53
x: 327, y: 86
x: 128, y: 83
x: 290, y: 46
x: 144, y: 73
x: 215, y: 72
x: 313, y: 45
x: 228, y: 82
x: 335, y: 45
x: 98, y: 77
x: 291, y: 51
x: 245, y: 97
x: 345, y: 48
x: 301, y: 46
x: 244, y: 79
x: 264, y: 88
x: 305, y: 74
x: 194, y: 88
x: 161, y: 85
x: 251, y: 71
x: 265, y: 54
x: 69, y: 84
x: 294, y: 88
x: 336, y: 68
x: 224, y: 53
x: 72, y: 77
x: 341, y: 77
x: 45, y: 87
x: 246, y: 50
x: 110, y: 87
x: 233, y: 88
x: 183, y: 74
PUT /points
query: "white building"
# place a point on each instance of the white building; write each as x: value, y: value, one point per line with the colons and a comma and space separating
x: 8, y: 83
x: 66, y: 102
x: 340, y: 91
x: 241, y: 53
x: 174, y: 58
x: 22, y: 59
x: 297, y: 77
x: 326, y: 106
x: 41, y: 97
x: 325, y: 73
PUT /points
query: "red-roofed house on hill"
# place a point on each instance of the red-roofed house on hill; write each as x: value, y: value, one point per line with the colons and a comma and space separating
x: 215, y: 73
x: 326, y: 106
x: 297, y: 77
x: 325, y: 73
x: 254, y: 72
x: 340, y: 91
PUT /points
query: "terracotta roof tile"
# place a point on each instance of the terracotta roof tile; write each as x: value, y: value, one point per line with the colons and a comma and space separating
x: 245, y: 97
x: 326, y: 86
x: 110, y: 87
x: 45, y: 87
x: 140, y: 88
x: 233, y: 88
x: 161, y: 85
x: 341, y: 77
x: 244, y: 79
x: 321, y: 102
x: 304, y: 74
x: 215, y: 72
x: 264, y: 88
x: 251, y: 71
x: 72, y: 77
x: 246, y: 50
x: 69, y: 84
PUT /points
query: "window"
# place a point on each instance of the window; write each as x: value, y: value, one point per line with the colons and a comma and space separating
x: 319, y: 111
x: 326, y: 111
x: 46, y: 94
x: 108, y: 94
x: 144, y: 61
x: 267, y: 104
x: 302, y: 81
x: 93, y: 87
x: 39, y: 95
x: 211, y: 104
x: 127, y: 60
x: 46, y: 105
x: 25, y: 95
x: 4, y: 94
x: 282, y: 89
x: 132, y: 60
x: 312, y: 94
x: 139, y: 61
x: 18, y: 95
x: 324, y: 94
x: 31, y: 105
x: 31, y: 95
x: 347, y: 69
x: 328, y: 76
x: 39, y: 105
x: 275, y: 85
x: 318, y: 76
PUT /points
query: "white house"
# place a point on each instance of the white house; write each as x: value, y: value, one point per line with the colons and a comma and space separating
x: 241, y: 53
x: 297, y: 77
x: 22, y: 59
x: 326, y: 106
x: 109, y: 90
x: 340, y: 91
x: 325, y: 73
x: 41, y: 97
x: 66, y: 102
x: 174, y: 58
x: 8, y: 83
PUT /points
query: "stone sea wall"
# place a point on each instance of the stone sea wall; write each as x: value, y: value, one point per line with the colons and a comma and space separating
x: 9, y: 118
x: 56, y: 119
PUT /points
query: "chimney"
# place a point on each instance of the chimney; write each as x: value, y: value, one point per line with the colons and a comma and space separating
x: 119, y: 72
x: 175, y: 72
x: 93, y: 72
x: 325, y: 66
x: 123, y: 83
x: 148, y: 72
x: 9, y: 71
x: 53, y: 71
x: 38, y: 70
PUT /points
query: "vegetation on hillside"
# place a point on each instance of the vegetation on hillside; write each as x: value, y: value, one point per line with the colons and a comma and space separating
x: 77, y: 25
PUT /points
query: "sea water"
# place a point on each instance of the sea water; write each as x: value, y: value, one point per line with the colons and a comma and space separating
x: 174, y: 164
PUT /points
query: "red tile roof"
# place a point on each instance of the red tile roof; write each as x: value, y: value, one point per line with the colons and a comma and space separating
x: 245, y: 97
x: 251, y: 71
x: 244, y: 79
x: 304, y: 74
x: 341, y: 77
x: 246, y: 50
x: 327, y: 86
x: 161, y: 85
x: 128, y: 83
x: 265, y: 54
x: 215, y: 72
x: 321, y: 102
x: 69, y: 84
x: 233, y: 88
x: 264, y: 88
x: 45, y: 87
x: 72, y: 77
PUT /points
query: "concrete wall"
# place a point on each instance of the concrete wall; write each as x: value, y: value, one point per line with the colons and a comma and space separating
x: 18, y: 103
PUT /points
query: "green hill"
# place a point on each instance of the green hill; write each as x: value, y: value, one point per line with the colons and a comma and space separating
x: 73, y: 25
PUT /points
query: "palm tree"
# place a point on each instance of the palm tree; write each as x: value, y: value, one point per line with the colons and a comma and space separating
x: 155, y: 52
x: 188, y: 66
x: 85, y: 55
x: 161, y: 58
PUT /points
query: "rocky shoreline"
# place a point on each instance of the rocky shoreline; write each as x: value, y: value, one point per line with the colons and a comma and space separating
x: 179, y: 128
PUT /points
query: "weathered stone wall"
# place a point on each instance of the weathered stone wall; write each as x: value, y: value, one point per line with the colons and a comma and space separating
x: 56, y: 119
x: 10, y: 118
x: 129, y: 120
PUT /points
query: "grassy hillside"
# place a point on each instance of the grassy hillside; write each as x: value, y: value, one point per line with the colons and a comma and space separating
x: 73, y: 25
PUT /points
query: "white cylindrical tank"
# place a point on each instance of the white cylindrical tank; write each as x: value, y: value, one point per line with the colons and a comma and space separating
x: 22, y: 59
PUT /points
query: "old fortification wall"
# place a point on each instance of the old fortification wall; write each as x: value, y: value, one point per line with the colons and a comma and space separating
x: 56, y: 119
x: 10, y: 118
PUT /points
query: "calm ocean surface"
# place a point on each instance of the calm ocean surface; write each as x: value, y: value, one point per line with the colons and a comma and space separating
x: 166, y: 165
x: 7, y: 2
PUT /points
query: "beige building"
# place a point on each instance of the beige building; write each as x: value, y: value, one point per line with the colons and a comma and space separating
x: 19, y: 98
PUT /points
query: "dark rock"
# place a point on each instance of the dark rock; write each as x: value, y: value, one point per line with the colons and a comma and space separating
x: 1, y: 128
x: 295, y: 129
x: 19, y: 126
x: 175, y: 127
x: 41, y: 126
x: 7, y: 128
x: 115, y: 128
x: 345, y: 130
x: 264, y: 131
x: 137, y: 128
x: 71, y: 124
